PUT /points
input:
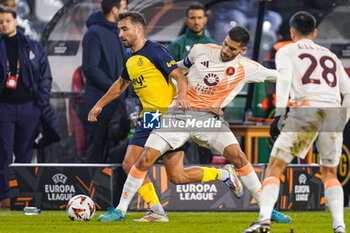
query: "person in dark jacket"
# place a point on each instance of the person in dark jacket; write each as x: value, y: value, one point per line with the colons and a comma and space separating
x: 195, y: 20
x: 103, y: 54
x: 25, y: 84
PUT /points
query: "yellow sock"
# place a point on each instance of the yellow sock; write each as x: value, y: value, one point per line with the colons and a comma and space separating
x: 210, y: 174
x: 148, y: 193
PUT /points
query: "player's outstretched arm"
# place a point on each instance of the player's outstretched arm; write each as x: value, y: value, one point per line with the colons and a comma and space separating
x: 114, y: 91
x: 182, y: 86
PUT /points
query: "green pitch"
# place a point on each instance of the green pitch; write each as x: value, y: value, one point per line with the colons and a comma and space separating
x: 180, y: 222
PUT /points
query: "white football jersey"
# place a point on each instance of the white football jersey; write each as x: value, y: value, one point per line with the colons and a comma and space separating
x: 310, y: 72
x: 212, y: 83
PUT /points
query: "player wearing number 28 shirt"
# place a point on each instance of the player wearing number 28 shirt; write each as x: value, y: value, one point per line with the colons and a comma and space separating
x: 314, y: 79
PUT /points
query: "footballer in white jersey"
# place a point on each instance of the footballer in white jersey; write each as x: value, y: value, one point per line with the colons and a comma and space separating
x: 314, y: 86
x: 212, y: 83
x: 317, y: 74
x: 315, y: 80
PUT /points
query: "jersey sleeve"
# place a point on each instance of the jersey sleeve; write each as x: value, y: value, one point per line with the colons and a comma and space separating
x: 124, y: 72
x: 165, y: 60
x: 344, y: 85
x: 194, y: 52
x: 258, y: 73
x: 284, y: 80
x: 186, y: 63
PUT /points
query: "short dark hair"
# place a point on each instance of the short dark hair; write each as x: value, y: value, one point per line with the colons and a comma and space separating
x: 135, y: 16
x: 303, y: 23
x: 195, y: 6
x: 107, y: 5
x: 6, y: 9
x: 240, y: 35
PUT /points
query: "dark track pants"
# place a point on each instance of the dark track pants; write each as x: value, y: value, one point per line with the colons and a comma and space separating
x: 18, y: 125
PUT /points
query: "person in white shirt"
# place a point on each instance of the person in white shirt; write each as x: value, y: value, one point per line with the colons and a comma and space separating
x: 314, y: 79
x: 216, y: 75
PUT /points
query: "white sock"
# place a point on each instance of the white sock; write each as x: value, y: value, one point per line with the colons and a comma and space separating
x: 268, y: 198
x: 334, y: 200
x: 157, y: 208
x: 131, y: 186
x: 224, y: 174
x: 250, y: 180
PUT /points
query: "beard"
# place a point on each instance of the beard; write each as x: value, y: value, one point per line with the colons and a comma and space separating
x: 127, y: 44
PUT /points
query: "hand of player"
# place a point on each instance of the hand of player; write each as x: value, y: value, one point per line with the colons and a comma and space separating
x: 94, y: 112
x: 183, y: 103
x: 275, y: 128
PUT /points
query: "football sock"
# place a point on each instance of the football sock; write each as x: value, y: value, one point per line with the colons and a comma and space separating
x: 148, y: 193
x: 250, y: 180
x: 132, y: 184
x: 210, y: 174
x: 157, y: 208
x: 224, y: 174
x: 334, y: 200
x: 268, y: 197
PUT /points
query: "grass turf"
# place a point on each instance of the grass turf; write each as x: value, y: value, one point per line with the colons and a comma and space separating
x: 220, y: 222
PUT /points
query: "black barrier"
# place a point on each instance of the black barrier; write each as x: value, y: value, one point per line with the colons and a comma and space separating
x: 344, y: 165
x: 209, y: 196
x: 301, y: 188
x: 50, y: 186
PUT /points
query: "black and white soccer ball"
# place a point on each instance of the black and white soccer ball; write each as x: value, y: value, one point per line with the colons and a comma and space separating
x: 81, y: 208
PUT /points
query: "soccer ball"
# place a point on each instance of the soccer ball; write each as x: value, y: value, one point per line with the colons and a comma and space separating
x: 81, y: 208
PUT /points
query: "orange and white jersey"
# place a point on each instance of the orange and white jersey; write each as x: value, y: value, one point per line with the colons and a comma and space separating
x: 309, y: 72
x: 212, y: 83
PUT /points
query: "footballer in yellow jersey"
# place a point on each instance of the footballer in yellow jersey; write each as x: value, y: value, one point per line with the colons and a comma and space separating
x: 148, y: 69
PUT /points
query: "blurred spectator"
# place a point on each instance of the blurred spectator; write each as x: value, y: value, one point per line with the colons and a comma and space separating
x: 283, y: 37
x: 22, y: 11
x: 103, y: 54
x: 25, y: 85
x: 195, y: 20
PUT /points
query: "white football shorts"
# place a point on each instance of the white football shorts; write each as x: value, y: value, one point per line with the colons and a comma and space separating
x: 304, y: 125
x: 205, y: 128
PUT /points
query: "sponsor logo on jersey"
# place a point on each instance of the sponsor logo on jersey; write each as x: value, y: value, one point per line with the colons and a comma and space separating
x: 211, y: 79
x: 140, y: 62
x: 139, y: 81
x: 205, y: 63
x: 170, y: 64
x: 205, y: 89
x: 230, y: 71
